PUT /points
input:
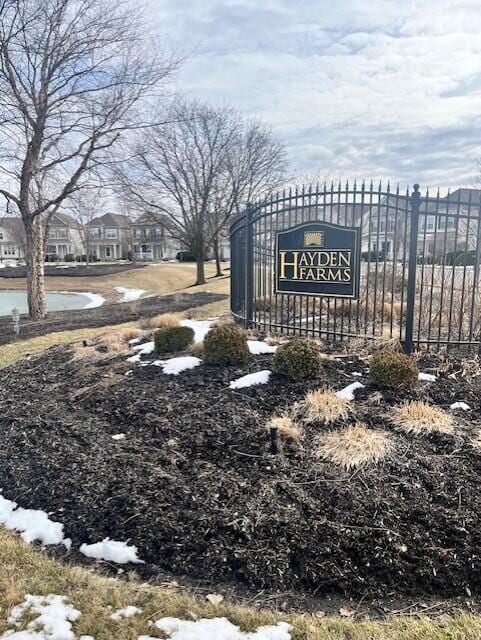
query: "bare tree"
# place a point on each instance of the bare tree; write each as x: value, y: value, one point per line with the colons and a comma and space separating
x: 73, y: 74
x: 198, y: 170
x: 256, y: 166
x: 85, y: 205
x: 173, y: 170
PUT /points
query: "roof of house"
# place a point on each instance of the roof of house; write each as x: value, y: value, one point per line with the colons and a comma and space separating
x: 110, y: 219
x: 67, y: 220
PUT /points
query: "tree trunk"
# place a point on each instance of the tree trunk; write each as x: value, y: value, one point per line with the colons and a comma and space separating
x: 218, y: 267
x: 34, y: 258
x: 200, y: 269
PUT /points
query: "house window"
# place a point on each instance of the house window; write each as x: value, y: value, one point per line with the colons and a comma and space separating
x: 1, y: 235
x: 111, y: 234
x: 60, y: 234
x: 147, y: 232
x: 95, y: 232
x: 9, y: 250
x: 159, y: 231
x: 137, y: 233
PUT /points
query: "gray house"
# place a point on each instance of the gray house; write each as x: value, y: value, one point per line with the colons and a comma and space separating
x: 109, y: 237
x: 152, y: 241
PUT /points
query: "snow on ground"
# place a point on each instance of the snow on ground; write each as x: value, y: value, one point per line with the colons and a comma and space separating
x: 118, y: 436
x: 460, y: 405
x: 174, y: 366
x: 53, y: 622
x: 426, y: 377
x: 348, y: 392
x: 251, y: 379
x: 134, y: 359
x: 112, y: 551
x: 200, y: 327
x: 145, y: 349
x: 221, y: 628
x: 32, y: 524
x: 129, y: 295
x: 127, y: 612
x: 357, y: 374
x: 96, y: 300
x: 257, y: 347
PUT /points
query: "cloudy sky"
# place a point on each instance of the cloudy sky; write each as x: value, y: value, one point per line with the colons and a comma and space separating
x: 356, y: 88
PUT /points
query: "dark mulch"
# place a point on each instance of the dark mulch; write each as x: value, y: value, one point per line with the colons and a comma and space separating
x: 74, y: 271
x: 105, y: 315
x: 194, y: 486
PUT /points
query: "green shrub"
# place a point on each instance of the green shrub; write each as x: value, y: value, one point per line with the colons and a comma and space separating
x: 226, y: 344
x: 394, y: 370
x: 172, y: 339
x: 298, y: 359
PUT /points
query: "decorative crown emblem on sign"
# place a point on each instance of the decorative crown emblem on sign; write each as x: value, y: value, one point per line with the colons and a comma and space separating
x: 313, y: 239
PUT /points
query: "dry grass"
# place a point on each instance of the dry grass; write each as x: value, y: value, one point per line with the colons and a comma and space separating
x: 159, y: 322
x: 23, y: 569
x: 322, y: 405
x: 197, y: 348
x: 419, y: 418
x: 287, y: 429
x: 354, y: 447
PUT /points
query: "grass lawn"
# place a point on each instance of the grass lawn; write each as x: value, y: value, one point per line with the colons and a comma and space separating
x: 154, y: 279
x: 24, y: 569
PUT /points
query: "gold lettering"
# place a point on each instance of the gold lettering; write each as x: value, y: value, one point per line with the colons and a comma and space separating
x: 284, y: 264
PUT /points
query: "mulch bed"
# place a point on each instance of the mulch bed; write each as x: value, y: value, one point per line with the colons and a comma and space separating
x: 74, y: 271
x: 194, y: 486
x: 104, y: 315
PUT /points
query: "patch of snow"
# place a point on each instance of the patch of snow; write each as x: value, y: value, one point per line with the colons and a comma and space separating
x: 221, y: 628
x: 129, y: 295
x: 201, y: 328
x: 96, y: 300
x: 174, y: 366
x: 257, y: 347
x: 127, y: 612
x: 134, y: 359
x: 145, y: 349
x: 134, y: 341
x: 348, y: 392
x: 112, y: 551
x: 118, y: 436
x: 357, y: 374
x: 251, y: 379
x: 426, y: 377
x: 460, y: 405
x: 32, y: 524
x: 54, y: 620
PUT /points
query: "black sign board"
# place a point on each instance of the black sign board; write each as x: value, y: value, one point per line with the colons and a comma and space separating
x: 318, y: 258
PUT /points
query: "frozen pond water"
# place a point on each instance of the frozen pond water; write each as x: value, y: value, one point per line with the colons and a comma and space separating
x: 55, y: 301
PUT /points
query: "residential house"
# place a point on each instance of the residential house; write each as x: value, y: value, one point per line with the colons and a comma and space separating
x: 152, y: 240
x: 109, y: 237
x: 445, y: 224
x: 12, y: 239
x: 64, y: 238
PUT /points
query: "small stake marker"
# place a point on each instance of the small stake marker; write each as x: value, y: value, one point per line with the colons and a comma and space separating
x: 274, y: 444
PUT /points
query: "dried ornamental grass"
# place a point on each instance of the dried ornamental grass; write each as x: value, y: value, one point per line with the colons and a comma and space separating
x: 354, y: 447
x: 420, y: 418
x: 287, y: 429
x: 160, y: 321
x: 323, y: 405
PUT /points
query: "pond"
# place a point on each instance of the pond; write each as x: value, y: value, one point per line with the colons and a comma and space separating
x: 55, y: 301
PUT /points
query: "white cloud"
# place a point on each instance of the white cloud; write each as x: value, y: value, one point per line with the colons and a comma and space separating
x: 377, y: 89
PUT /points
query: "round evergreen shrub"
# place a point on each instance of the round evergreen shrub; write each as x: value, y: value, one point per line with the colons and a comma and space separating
x: 226, y: 344
x: 394, y: 370
x: 172, y: 339
x: 298, y: 359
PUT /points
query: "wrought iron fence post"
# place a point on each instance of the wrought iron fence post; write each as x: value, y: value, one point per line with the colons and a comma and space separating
x: 415, y: 202
x: 249, y: 266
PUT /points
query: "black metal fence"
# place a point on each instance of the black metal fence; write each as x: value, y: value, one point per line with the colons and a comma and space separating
x: 420, y: 259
